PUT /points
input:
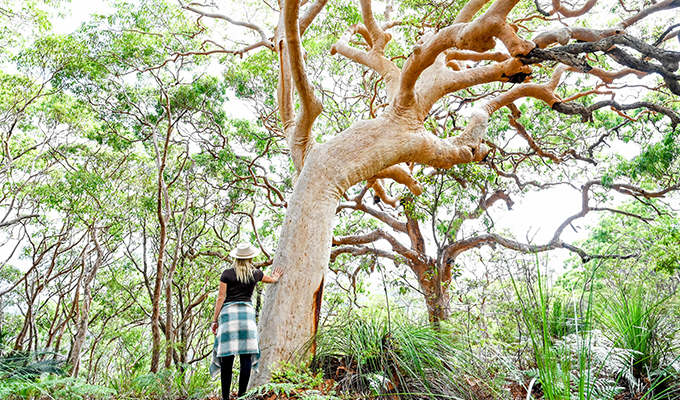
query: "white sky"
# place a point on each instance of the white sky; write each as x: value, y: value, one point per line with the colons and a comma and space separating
x: 77, y: 12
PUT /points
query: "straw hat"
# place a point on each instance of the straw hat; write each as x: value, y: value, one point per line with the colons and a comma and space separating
x: 244, y: 251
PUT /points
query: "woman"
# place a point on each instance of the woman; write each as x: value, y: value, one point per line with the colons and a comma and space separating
x: 234, y: 318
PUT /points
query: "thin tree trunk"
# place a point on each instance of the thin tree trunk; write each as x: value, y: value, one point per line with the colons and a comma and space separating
x: 19, y: 342
x: 62, y: 328
x: 429, y: 274
x: 156, y: 299
x: 163, y: 215
x: 169, y: 332
x: 73, y: 359
x: 54, y: 326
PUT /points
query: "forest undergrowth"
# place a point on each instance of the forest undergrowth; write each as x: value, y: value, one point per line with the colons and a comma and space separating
x: 519, y: 336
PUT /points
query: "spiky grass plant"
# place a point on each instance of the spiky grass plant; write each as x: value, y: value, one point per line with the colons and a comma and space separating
x: 639, y: 322
x: 635, y: 321
x: 564, y: 372
x: 29, y: 365
x: 371, y: 354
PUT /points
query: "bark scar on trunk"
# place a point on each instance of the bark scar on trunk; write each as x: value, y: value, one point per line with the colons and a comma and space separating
x: 316, y: 310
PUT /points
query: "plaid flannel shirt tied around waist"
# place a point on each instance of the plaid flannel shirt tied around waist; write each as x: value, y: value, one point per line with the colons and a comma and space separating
x: 236, y: 334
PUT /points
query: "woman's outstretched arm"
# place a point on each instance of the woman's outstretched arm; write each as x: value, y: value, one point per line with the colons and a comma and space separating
x: 275, y: 276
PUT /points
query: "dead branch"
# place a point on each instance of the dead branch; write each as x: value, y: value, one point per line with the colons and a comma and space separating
x: 663, y: 36
x: 585, y: 257
x: 566, y: 54
x: 587, y: 112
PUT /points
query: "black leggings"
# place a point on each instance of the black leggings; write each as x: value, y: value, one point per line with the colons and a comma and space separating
x: 244, y: 376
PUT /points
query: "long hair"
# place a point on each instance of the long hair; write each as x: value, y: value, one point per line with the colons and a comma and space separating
x: 244, y: 269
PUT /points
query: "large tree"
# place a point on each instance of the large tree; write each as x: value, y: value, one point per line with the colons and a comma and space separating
x: 473, y: 47
x: 456, y: 51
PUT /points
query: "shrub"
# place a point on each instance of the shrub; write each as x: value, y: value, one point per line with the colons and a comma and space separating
x: 370, y: 354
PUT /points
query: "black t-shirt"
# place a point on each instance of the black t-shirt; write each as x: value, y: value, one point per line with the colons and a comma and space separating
x: 236, y: 290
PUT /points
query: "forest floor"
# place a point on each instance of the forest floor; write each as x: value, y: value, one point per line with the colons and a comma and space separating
x: 517, y: 392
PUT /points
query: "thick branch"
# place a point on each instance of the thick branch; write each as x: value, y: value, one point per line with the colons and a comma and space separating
x: 558, y: 7
x: 378, y: 38
x: 402, y: 174
x: 310, y: 14
x: 544, y: 92
x: 475, y: 56
x: 436, y: 83
x: 564, y: 35
x: 375, y: 236
x: 374, y: 58
x: 540, y: 55
x: 468, y: 12
x: 476, y: 36
x: 310, y: 105
x: 669, y: 59
x: 284, y: 94
x: 379, y: 189
x: 361, y: 251
x: 468, y: 146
